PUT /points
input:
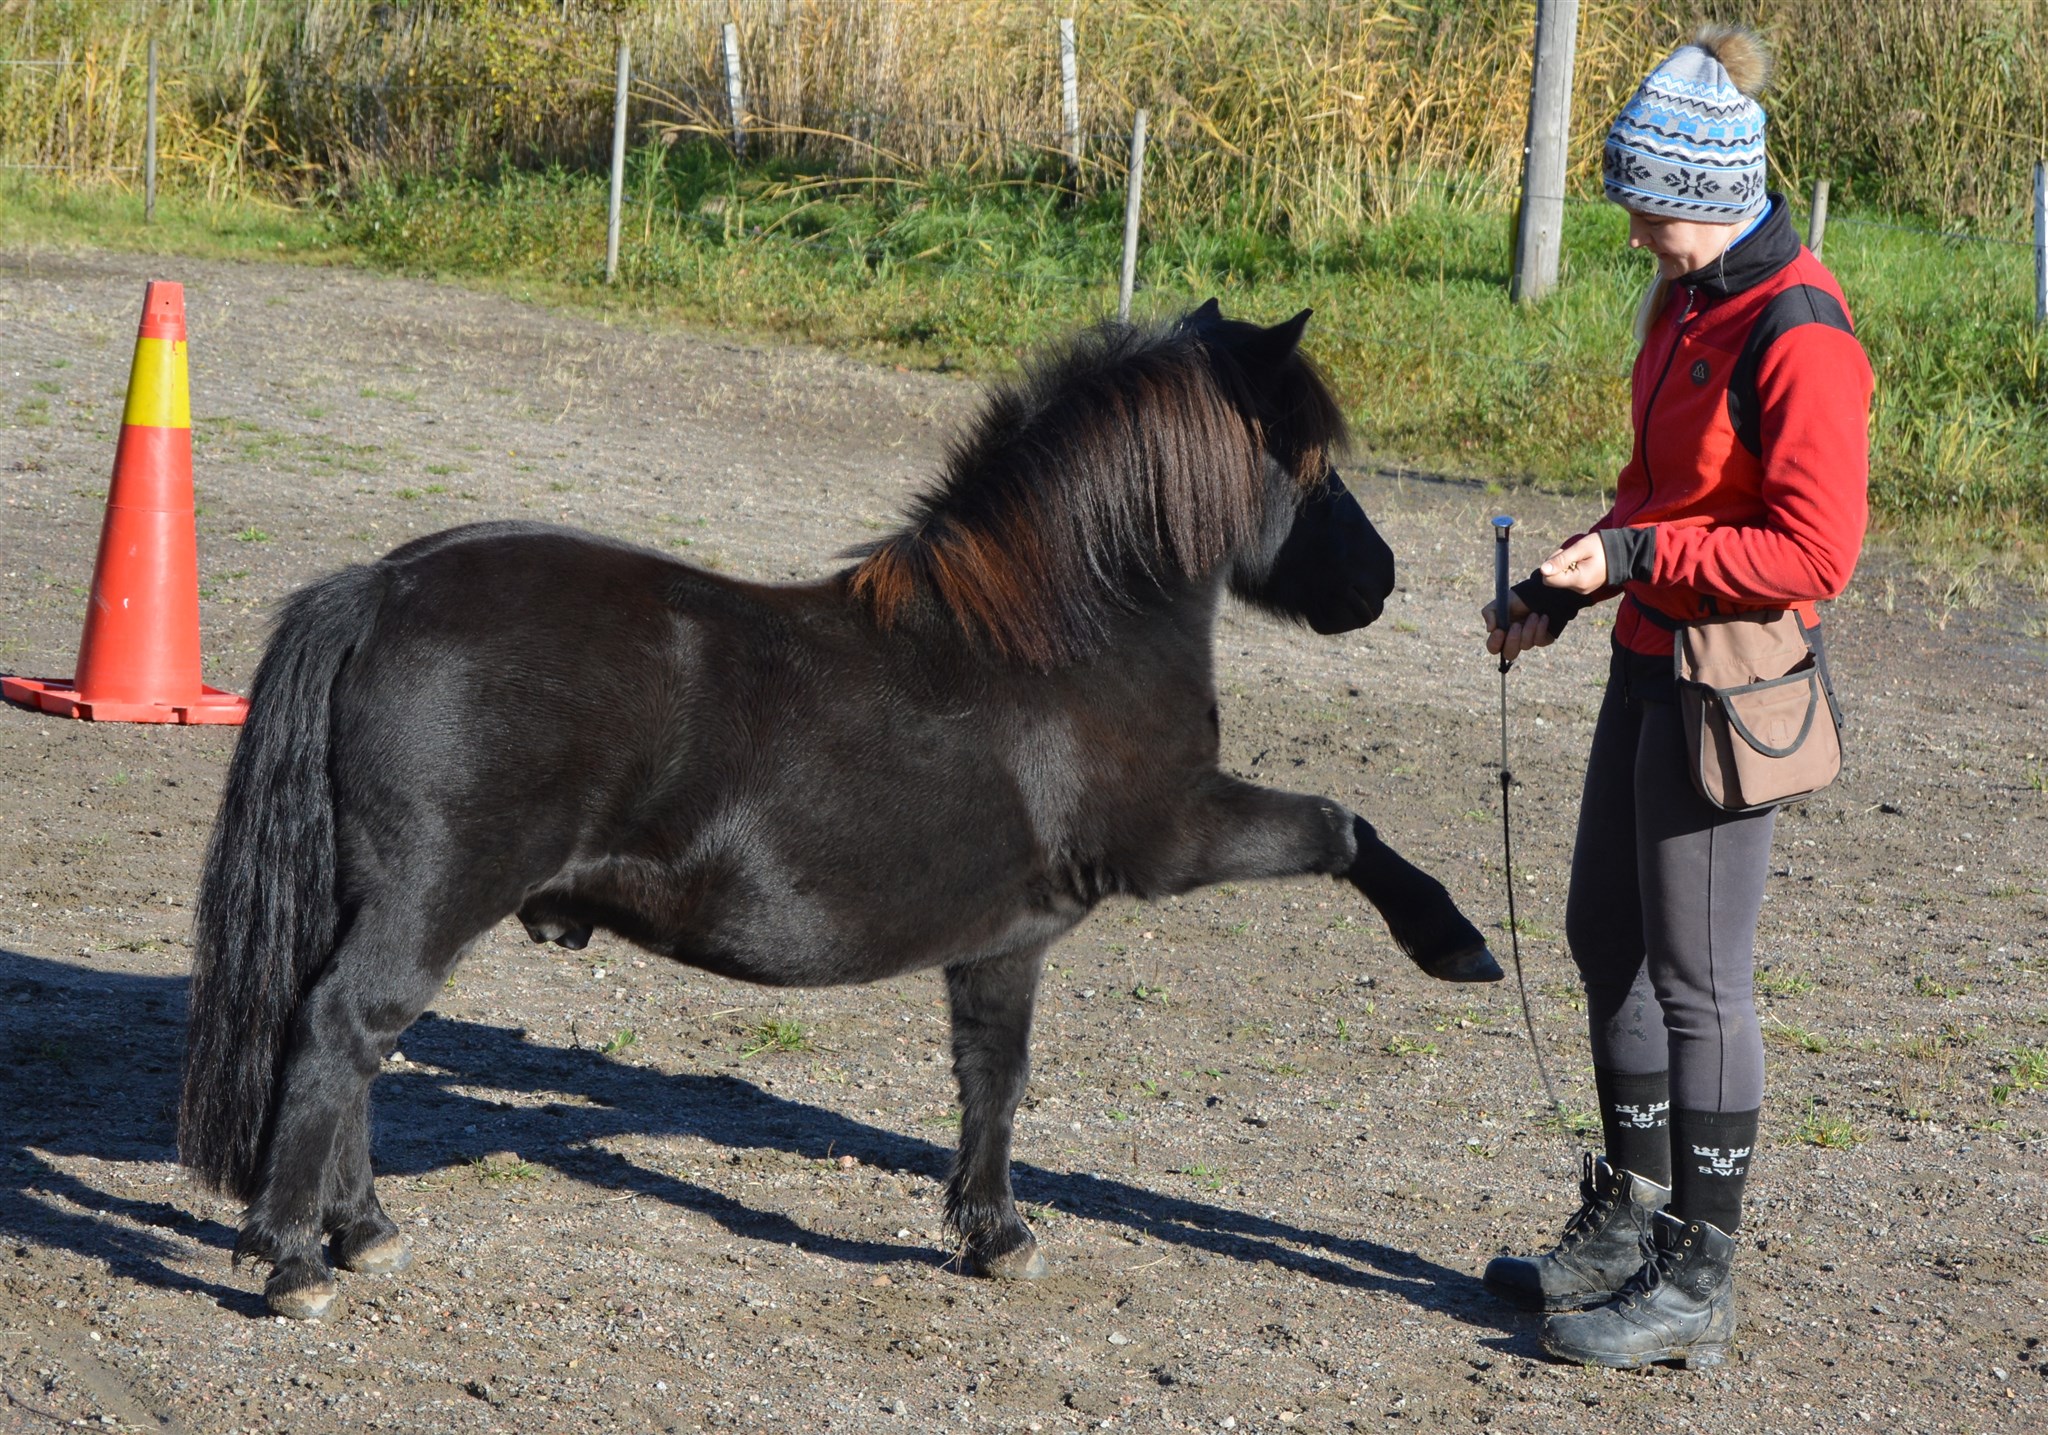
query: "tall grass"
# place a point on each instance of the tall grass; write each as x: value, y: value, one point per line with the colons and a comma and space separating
x: 1305, y: 116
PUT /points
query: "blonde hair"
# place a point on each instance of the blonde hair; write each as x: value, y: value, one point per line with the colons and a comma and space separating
x: 1653, y: 300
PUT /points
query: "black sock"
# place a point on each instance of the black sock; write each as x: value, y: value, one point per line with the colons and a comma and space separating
x: 1635, y: 1114
x: 1712, y: 1150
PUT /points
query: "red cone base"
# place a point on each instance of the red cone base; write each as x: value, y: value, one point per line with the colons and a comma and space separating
x: 63, y: 700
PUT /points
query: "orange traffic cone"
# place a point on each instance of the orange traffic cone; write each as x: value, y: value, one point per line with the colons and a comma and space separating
x: 138, y: 659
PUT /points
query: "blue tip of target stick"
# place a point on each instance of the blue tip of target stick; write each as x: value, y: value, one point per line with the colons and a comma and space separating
x: 1501, y: 525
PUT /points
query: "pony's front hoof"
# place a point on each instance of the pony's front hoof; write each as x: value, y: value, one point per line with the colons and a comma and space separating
x: 1019, y: 1263
x: 384, y: 1256
x: 301, y: 1294
x: 1473, y: 964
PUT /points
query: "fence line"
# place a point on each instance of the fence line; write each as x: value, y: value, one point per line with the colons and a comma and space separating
x: 1342, y: 333
x: 1068, y: 142
x: 1053, y: 141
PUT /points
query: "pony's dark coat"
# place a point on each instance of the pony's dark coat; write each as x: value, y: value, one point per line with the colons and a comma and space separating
x: 944, y: 755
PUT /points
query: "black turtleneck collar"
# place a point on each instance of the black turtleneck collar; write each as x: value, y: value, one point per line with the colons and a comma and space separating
x: 1755, y: 259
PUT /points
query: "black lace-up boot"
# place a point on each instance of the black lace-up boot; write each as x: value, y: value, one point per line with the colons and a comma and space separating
x: 1603, y: 1245
x: 1679, y: 1307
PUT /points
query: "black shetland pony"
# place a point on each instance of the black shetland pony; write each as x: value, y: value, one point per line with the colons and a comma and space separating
x: 943, y: 756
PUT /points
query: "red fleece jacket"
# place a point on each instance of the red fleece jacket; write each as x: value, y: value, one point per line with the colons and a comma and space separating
x: 1751, y: 405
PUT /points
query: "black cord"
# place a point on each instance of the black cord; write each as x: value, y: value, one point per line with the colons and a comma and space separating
x: 1507, y: 843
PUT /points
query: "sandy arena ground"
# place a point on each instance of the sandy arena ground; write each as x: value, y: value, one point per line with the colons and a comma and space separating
x: 1266, y: 1157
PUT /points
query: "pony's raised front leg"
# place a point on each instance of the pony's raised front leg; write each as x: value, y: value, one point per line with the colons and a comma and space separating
x: 1251, y: 832
x: 992, y: 1002
x: 1420, y: 914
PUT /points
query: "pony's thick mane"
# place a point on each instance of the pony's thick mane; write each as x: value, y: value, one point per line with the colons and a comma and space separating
x: 1125, y: 461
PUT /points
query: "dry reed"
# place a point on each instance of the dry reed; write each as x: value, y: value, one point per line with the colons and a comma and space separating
x: 1310, y: 117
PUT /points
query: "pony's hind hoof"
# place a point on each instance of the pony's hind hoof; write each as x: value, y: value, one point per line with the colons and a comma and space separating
x: 1019, y: 1263
x: 1473, y: 964
x: 301, y: 1297
x: 384, y: 1256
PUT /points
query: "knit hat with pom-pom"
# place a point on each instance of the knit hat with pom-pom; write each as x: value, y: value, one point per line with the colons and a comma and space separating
x: 1689, y: 144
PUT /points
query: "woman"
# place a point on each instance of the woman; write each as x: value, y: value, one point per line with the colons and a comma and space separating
x: 1746, y: 491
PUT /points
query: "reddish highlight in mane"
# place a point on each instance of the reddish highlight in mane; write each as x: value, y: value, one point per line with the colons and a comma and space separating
x: 1132, y: 459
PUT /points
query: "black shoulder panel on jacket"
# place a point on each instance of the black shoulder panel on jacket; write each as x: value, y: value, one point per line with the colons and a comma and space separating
x: 1801, y: 304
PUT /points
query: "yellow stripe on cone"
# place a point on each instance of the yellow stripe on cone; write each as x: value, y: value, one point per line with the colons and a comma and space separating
x: 159, y: 387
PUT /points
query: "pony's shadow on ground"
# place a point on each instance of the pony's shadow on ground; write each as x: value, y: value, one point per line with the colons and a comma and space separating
x: 101, y: 1055
x: 91, y: 1061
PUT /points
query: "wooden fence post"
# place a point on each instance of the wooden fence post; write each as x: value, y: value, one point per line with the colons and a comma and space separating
x: 149, y: 141
x: 1131, y: 201
x: 1817, y: 226
x: 1539, y: 228
x: 1070, y: 102
x: 735, y: 96
x: 611, y: 234
x: 2041, y: 241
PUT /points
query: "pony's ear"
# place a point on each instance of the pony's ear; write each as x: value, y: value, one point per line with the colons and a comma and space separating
x: 1272, y: 346
x: 1209, y: 315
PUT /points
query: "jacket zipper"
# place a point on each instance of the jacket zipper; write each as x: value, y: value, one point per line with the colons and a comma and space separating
x: 1643, y: 437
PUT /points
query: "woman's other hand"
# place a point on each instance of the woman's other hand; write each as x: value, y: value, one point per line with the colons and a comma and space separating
x: 1580, y: 566
x: 1525, y: 630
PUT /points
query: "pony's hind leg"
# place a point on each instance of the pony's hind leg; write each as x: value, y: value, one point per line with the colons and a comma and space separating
x: 992, y: 1002
x: 360, y: 1236
x: 316, y: 1175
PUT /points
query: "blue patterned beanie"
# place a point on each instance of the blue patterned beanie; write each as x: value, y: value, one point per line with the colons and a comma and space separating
x: 1689, y: 144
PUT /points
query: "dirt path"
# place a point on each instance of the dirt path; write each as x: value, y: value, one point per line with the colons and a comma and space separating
x: 1266, y: 1157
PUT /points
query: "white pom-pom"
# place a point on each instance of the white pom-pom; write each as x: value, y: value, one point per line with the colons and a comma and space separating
x: 1741, y: 53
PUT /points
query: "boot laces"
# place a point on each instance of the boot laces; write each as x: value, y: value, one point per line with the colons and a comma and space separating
x: 1595, y: 1207
x: 1650, y: 1275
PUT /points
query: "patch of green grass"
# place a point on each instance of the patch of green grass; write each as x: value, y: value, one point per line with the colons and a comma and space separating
x: 1929, y: 986
x: 1209, y: 1178
x: 1826, y: 1131
x: 252, y: 534
x: 621, y: 1040
x: 497, y: 1170
x: 1787, y: 1034
x: 1783, y: 984
x: 2026, y: 1070
x: 1404, y: 1045
x: 1571, y: 1121
x: 776, y: 1034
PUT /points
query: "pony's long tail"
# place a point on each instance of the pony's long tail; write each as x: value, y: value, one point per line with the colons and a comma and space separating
x: 266, y: 919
